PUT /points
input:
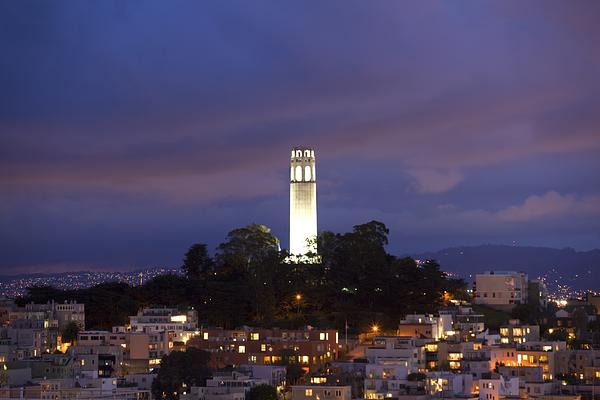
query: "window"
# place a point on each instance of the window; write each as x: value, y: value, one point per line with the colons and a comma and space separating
x: 298, y: 173
x: 263, y: 347
x: 254, y: 336
x: 338, y: 393
x: 308, y: 392
x: 241, y: 349
x: 307, y: 173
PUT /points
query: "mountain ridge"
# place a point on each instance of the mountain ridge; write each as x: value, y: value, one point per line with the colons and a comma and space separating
x: 578, y: 267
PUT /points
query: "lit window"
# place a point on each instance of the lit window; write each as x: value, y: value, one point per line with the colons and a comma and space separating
x: 307, y: 173
x: 298, y: 173
x: 205, y: 335
x: 254, y: 336
x: 308, y: 392
x: 322, y: 336
x: 241, y: 349
x: 263, y: 347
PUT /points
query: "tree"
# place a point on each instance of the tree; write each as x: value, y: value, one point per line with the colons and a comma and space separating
x: 197, y: 263
x: 250, y: 262
x: 180, y: 370
x: 262, y: 392
x: 293, y: 373
x: 247, y: 246
x: 69, y: 334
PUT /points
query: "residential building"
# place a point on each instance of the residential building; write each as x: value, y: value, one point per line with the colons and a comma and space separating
x: 515, y: 332
x: 321, y: 392
x: 163, y: 319
x: 309, y: 347
x: 501, y: 289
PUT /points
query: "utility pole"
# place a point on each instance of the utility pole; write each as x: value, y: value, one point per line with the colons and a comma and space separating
x: 346, y: 326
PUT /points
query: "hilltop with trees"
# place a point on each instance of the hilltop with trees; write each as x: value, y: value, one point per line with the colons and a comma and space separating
x: 249, y: 281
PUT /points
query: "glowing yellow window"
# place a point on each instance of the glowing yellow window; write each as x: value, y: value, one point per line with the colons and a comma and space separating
x: 241, y: 349
x: 263, y: 347
x: 254, y: 336
x: 308, y: 392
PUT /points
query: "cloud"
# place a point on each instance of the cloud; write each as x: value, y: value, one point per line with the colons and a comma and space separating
x: 449, y: 102
x: 434, y: 181
x: 551, y: 205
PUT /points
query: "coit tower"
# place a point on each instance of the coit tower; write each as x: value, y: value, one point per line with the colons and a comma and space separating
x: 303, y: 201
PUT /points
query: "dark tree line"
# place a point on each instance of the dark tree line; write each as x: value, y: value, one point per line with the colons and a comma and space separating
x: 248, y: 281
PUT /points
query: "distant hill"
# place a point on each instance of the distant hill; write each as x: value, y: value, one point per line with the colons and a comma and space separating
x: 16, y: 285
x: 579, y: 269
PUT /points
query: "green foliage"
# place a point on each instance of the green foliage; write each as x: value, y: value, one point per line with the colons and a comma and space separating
x: 197, y: 264
x: 571, y: 379
x: 293, y: 374
x: 262, y: 392
x: 106, y: 305
x: 180, y: 370
x: 69, y: 334
x: 493, y: 318
x: 558, y: 335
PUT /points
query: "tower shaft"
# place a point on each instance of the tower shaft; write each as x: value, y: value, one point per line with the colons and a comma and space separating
x: 303, y: 201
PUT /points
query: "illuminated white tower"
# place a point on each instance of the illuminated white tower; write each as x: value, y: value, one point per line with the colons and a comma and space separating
x: 303, y: 201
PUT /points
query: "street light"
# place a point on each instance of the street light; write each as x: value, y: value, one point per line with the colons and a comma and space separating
x: 298, y: 298
x: 375, y: 328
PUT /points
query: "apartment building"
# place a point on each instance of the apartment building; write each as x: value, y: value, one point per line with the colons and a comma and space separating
x: 515, y: 332
x: 501, y: 289
x: 425, y: 326
x: 311, y: 348
x: 321, y: 392
x: 163, y: 319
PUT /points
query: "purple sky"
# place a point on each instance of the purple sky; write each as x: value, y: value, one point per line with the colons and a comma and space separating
x: 132, y: 129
